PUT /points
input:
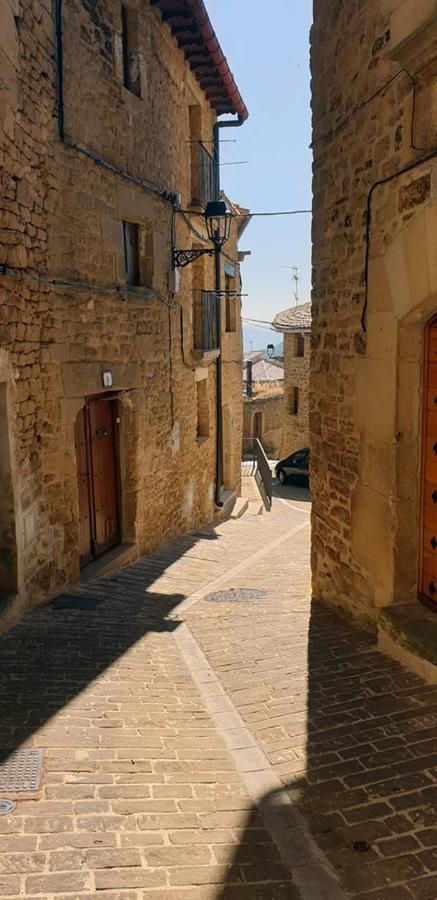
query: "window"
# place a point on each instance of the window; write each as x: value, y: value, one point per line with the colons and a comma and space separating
x: 202, y: 408
x: 294, y: 401
x: 204, y: 172
x: 299, y: 347
x: 131, y: 253
x: 230, y: 299
x: 131, y: 58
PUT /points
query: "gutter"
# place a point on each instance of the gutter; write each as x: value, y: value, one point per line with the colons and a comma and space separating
x: 227, y: 123
x: 203, y: 21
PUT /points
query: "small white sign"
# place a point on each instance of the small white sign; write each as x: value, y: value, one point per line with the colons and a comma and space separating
x: 107, y: 379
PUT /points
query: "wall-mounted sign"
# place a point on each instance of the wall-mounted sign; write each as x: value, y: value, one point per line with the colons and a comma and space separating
x: 107, y: 379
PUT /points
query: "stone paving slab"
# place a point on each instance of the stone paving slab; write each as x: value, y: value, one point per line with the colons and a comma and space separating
x: 204, y: 760
x: 140, y: 795
x: 350, y: 734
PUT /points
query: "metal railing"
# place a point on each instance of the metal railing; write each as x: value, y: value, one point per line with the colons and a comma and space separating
x: 209, y: 321
x: 208, y: 176
x: 255, y: 462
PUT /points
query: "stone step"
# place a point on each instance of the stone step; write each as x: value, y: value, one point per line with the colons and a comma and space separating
x: 241, y: 506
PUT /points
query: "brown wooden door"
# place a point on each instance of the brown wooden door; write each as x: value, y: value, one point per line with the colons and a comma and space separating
x: 257, y: 425
x: 84, y: 487
x: 96, y: 449
x: 429, y: 532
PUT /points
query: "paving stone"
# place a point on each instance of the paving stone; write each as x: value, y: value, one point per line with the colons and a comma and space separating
x: 142, y: 797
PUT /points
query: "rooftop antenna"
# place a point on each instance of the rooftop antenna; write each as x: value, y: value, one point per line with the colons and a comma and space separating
x: 296, y: 279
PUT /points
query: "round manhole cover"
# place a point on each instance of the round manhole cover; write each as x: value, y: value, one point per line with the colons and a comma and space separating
x: 6, y: 807
x: 236, y: 595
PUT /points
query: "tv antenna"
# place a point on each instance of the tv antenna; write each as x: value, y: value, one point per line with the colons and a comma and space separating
x: 296, y: 280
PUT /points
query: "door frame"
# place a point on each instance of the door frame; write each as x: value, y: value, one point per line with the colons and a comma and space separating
x: 110, y: 396
x: 423, y: 598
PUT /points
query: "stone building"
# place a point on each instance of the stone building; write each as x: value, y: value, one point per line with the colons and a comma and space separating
x: 113, y: 369
x: 295, y: 325
x: 263, y: 403
x: 373, y: 420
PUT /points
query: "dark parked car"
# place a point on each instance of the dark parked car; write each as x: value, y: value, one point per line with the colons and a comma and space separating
x: 295, y: 466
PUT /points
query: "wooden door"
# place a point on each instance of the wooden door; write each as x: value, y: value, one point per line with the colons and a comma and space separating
x: 97, y: 469
x: 81, y: 441
x: 257, y: 425
x: 102, y: 422
x: 429, y: 493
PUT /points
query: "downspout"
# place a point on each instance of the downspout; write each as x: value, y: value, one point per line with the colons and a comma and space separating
x: 228, y: 123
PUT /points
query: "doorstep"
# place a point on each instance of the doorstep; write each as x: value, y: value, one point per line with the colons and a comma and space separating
x: 408, y: 633
x: 120, y: 556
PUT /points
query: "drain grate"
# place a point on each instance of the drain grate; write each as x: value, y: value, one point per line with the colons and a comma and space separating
x: 20, y: 770
x: 77, y: 601
x: 6, y: 807
x: 236, y: 595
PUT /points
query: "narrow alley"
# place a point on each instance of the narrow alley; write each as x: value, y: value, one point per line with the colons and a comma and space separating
x: 201, y: 745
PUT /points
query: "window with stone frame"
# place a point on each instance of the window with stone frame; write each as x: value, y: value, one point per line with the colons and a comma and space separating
x: 138, y: 253
x: 202, y: 391
x: 131, y: 56
x: 299, y: 345
x: 294, y: 401
x: 230, y: 300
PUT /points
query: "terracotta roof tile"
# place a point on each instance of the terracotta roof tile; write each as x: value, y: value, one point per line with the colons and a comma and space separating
x: 296, y: 319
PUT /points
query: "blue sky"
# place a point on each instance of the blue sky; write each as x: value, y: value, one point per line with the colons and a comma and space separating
x: 269, y: 56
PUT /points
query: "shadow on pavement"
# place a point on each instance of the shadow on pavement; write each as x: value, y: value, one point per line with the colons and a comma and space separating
x: 58, y: 649
x: 365, y: 787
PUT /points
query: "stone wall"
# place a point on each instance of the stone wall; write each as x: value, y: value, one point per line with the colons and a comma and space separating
x: 295, y: 429
x: 374, y: 290
x: 269, y: 403
x: 66, y: 314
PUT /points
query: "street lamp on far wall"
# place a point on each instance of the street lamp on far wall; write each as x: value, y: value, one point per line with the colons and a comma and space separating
x: 270, y: 351
x: 218, y: 226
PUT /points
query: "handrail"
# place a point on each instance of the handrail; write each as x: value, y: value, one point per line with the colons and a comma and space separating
x: 254, y: 450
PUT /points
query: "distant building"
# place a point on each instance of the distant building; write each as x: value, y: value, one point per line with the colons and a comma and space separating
x: 263, y: 401
x: 295, y: 324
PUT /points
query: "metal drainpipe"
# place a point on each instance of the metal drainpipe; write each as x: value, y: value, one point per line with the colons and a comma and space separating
x: 229, y: 123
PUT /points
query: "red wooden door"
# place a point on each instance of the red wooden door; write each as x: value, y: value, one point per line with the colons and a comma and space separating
x: 84, y: 486
x: 102, y: 421
x: 429, y: 517
x: 97, y: 467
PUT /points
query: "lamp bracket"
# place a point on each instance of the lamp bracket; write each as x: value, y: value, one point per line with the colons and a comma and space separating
x: 185, y: 257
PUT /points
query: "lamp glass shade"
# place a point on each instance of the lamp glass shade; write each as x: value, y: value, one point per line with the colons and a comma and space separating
x: 218, y: 222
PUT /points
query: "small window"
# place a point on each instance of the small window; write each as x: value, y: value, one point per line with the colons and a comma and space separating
x: 131, y: 253
x: 231, y: 303
x: 202, y: 408
x: 299, y: 345
x: 131, y: 57
x: 294, y: 404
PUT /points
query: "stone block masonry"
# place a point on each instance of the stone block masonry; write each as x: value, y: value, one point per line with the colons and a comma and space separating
x: 374, y: 292
x: 66, y: 313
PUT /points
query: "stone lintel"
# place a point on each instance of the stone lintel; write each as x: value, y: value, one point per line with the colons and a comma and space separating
x: 416, y: 51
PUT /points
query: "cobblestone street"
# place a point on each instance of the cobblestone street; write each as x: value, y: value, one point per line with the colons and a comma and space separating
x: 195, y: 749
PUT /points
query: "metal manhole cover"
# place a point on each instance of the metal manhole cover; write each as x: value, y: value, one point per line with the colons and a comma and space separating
x: 236, y: 595
x: 20, y: 770
x: 6, y: 807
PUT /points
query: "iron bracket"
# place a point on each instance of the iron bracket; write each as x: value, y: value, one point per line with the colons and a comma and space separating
x: 185, y: 257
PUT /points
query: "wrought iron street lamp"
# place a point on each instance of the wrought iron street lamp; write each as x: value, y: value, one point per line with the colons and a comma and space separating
x: 218, y: 226
x: 270, y: 351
